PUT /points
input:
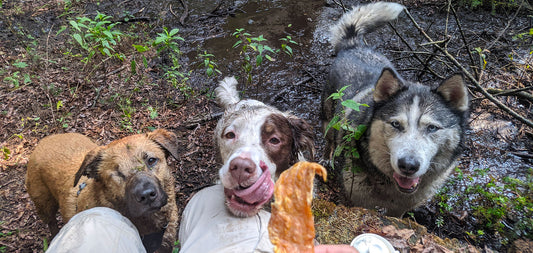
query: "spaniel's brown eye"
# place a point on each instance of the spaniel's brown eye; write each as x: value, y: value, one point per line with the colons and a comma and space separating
x: 274, y: 141
x: 230, y: 135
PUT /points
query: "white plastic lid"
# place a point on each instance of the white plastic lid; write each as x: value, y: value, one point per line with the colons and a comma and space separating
x: 372, y: 243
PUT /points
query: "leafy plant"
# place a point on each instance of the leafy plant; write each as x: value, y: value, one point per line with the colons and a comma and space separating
x: 251, y: 48
x: 176, y: 248
x: 6, y: 152
x: 153, y: 112
x: 352, y: 131
x: 482, y: 57
x: 168, y: 41
x: 15, y: 78
x: 285, y: 44
x: 97, y: 35
x: 497, y: 206
x: 211, y: 67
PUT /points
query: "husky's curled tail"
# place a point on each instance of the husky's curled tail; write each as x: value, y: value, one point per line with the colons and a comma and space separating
x: 361, y: 20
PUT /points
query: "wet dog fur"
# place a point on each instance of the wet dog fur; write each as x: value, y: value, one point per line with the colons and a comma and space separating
x: 414, y: 132
x: 256, y: 142
x: 70, y: 173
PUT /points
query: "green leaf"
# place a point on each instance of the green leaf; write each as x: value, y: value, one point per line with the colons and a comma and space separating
x: 140, y: 48
x: 107, y: 52
x: 351, y: 104
x: 173, y: 32
x: 75, y: 25
x: 6, y: 152
x: 61, y: 29
x: 338, y: 150
x: 59, y: 104
x: 145, y: 62
x: 159, y: 40
x: 78, y: 38
x: 133, y: 67
x: 27, y: 78
x: 20, y: 64
x: 237, y: 44
x: 108, y: 34
x: 332, y: 123
x: 258, y: 60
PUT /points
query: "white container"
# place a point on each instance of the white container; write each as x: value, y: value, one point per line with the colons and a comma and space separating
x: 372, y: 243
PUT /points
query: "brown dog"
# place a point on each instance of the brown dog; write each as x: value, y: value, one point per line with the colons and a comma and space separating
x: 70, y: 173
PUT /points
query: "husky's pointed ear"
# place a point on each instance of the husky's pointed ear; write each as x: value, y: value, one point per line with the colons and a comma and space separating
x: 167, y: 140
x: 387, y: 85
x: 89, y: 166
x: 454, y: 91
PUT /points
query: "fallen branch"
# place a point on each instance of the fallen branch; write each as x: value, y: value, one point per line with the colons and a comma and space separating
x: 513, y: 92
x: 202, y: 119
x: 470, y: 76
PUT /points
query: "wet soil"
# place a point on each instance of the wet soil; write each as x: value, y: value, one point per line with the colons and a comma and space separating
x: 105, y: 100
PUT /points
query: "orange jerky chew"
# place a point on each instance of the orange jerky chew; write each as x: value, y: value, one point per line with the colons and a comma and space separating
x: 291, y: 227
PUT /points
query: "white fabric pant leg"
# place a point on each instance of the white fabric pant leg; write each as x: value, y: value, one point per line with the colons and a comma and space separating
x: 207, y: 226
x: 98, y: 229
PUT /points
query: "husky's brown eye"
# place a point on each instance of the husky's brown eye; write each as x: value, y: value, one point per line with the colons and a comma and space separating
x: 230, y: 135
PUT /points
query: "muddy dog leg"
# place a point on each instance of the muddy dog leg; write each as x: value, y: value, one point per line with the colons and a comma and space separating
x: 45, y: 203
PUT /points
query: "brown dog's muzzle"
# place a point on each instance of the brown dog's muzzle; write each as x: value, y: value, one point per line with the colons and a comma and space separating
x: 144, y: 194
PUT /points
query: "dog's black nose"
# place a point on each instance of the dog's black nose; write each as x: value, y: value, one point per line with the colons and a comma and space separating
x: 241, y: 168
x: 145, y: 193
x: 408, y: 165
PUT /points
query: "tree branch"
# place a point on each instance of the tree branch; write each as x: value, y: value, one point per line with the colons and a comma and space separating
x: 470, y: 76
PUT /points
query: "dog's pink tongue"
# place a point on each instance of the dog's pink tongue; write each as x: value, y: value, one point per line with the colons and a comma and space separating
x: 406, y: 182
x: 261, y: 191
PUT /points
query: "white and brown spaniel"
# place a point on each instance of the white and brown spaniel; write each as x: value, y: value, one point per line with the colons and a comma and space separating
x: 256, y: 143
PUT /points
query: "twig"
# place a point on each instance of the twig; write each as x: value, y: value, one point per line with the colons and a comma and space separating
x: 341, y: 4
x: 469, y: 76
x: 415, y: 55
x: 465, y: 42
x: 185, y: 12
x: 47, y: 40
x: 506, y: 27
x: 51, y: 105
x: 200, y: 120
x: 523, y: 155
x: 116, y: 71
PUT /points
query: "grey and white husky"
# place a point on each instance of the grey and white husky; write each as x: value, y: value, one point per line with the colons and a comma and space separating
x: 414, y: 133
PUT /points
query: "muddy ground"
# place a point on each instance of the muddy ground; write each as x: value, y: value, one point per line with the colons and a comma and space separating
x: 46, y: 89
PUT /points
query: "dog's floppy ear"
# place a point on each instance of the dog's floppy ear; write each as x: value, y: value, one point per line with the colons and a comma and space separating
x: 303, y: 137
x: 387, y: 85
x: 166, y: 139
x: 226, y: 92
x: 89, y: 166
x: 454, y: 91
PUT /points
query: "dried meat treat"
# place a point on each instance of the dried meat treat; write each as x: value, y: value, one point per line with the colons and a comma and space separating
x: 291, y: 227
